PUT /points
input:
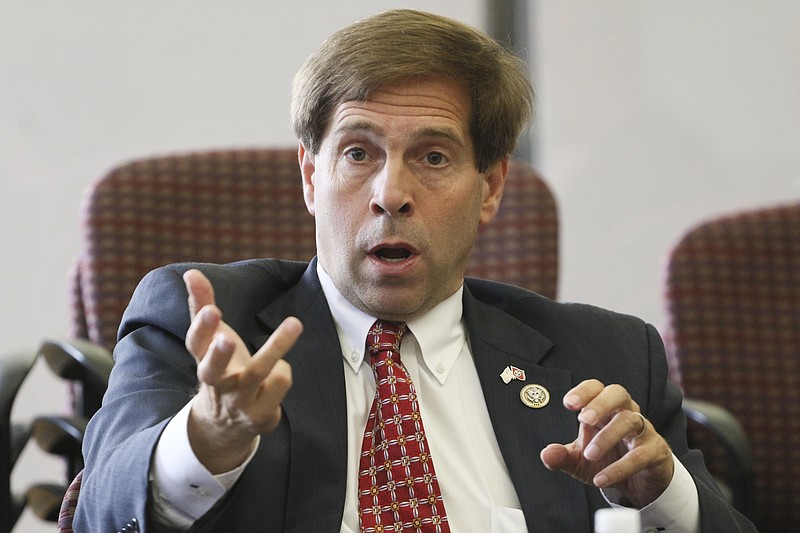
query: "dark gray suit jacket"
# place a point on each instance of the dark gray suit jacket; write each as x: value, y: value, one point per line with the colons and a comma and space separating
x: 296, y: 481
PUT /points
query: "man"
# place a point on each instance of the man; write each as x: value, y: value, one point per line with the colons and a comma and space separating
x: 246, y: 410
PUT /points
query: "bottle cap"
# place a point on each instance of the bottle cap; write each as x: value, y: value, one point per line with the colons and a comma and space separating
x: 617, y: 521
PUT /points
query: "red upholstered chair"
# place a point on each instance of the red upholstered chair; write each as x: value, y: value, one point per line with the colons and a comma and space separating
x: 521, y: 245
x: 225, y: 205
x: 215, y: 206
x: 68, y: 505
x: 733, y: 304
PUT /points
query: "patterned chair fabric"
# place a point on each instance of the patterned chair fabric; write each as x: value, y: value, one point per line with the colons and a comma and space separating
x: 216, y: 206
x: 520, y: 246
x: 222, y: 206
x: 733, y: 303
x: 69, y: 504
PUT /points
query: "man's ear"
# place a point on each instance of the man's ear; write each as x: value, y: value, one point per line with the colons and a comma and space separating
x: 307, y: 168
x: 493, y: 184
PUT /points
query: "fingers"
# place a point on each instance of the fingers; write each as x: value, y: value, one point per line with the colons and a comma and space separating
x: 598, y: 402
x: 273, y: 351
x: 599, y: 406
x: 616, y: 445
x: 644, y: 426
x: 214, y: 345
x: 212, y: 366
x: 201, y: 293
x: 217, y: 367
x: 622, y: 426
x: 637, y: 456
x: 642, y: 474
x: 240, y: 395
x: 205, y: 317
x: 202, y: 331
x: 560, y: 457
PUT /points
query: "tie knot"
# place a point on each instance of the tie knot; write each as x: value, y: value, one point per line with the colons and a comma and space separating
x: 385, y: 337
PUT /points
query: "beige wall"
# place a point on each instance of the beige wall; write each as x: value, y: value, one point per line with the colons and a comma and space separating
x: 652, y: 115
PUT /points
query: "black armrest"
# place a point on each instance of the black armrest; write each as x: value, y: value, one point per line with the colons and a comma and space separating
x: 84, y: 362
x: 44, y: 499
x: 14, y: 368
x: 729, y: 433
x: 19, y: 434
x: 79, y: 359
x: 61, y: 435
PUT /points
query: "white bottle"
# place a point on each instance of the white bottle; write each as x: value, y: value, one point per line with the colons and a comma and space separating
x: 617, y: 521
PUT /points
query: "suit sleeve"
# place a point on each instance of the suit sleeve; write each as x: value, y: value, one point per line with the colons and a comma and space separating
x: 153, y: 377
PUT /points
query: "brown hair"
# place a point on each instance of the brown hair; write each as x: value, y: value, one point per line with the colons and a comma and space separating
x: 398, y: 45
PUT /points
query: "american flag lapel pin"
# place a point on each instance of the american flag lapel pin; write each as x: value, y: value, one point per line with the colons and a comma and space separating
x: 511, y: 373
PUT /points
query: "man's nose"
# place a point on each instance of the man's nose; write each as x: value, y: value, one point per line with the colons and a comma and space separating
x: 393, y: 190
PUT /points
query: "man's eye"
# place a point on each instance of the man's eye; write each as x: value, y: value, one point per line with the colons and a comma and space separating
x: 435, y: 158
x: 357, y: 154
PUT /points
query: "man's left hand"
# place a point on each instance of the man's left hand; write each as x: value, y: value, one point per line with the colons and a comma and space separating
x: 616, y: 446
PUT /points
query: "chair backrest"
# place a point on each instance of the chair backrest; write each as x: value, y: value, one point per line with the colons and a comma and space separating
x: 520, y: 246
x: 733, y: 337
x: 215, y: 206
x: 221, y: 206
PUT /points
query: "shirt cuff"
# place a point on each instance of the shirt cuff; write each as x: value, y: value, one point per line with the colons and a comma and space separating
x: 183, y: 490
x: 677, y: 509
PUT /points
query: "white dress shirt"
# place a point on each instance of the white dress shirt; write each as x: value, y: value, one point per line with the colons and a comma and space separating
x: 436, y: 353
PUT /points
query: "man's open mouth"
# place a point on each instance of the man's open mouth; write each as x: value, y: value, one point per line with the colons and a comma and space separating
x: 392, y: 255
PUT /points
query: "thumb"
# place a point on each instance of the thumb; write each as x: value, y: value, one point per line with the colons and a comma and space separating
x: 560, y: 457
x: 201, y: 293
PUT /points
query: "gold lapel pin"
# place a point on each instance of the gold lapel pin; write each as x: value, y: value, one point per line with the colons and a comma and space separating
x: 534, y: 396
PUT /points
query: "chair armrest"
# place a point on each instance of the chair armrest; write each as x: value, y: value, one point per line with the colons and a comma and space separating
x: 80, y: 360
x: 44, y: 499
x: 86, y: 364
x: 19, y: 433
x: 59, y: 435
x: 14, y: 367
x: 729, y: 433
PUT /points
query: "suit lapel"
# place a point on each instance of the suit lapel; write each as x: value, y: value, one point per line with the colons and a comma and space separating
x: 497, y: 340
x: 315, y: 408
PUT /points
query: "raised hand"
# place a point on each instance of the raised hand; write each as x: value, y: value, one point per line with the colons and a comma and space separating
x: 616, y: 446
x: 239, y: 395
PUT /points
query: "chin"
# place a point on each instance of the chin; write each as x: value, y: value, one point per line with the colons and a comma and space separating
x: 387, y: 305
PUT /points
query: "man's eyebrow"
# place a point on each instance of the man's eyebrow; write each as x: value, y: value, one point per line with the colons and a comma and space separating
x: 359, y: 126
x: 443, y: 133
x: 427, y: 132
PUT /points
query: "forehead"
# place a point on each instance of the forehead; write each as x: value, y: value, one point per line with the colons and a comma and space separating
x: 421, y: 103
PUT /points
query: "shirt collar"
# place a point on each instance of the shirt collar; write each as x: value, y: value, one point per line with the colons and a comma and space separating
x: 439, y: 333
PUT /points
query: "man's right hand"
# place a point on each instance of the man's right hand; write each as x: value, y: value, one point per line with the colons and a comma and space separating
x: 240, y: 395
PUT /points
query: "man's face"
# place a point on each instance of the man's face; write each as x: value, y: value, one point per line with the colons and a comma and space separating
x: 398, y: 198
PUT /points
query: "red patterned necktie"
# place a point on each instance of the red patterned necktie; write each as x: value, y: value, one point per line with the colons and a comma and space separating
x: 397, y: 486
